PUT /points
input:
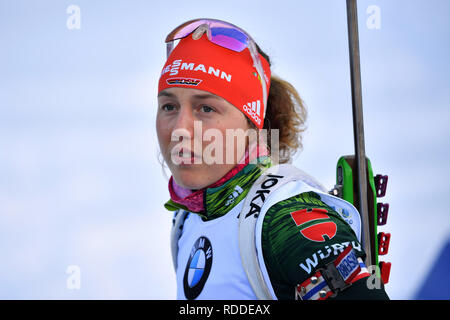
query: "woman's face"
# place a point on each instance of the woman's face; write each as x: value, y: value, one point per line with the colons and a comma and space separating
x: 192, y: 127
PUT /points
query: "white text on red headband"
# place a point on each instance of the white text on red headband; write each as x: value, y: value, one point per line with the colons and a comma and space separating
x: 177, y: 65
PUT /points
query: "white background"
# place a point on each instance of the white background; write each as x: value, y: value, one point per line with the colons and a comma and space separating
x: 80, y: 181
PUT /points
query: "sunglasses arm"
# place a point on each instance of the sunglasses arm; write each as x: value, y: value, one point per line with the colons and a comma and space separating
x: 169, y: 48
x: 258, y: 66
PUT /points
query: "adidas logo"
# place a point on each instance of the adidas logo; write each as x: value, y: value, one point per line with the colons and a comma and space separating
x: 253, y: 109
x: 237, y: 191
x: 255, y: 105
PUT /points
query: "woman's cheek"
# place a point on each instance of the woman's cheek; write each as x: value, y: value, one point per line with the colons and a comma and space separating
x: 164, y: 136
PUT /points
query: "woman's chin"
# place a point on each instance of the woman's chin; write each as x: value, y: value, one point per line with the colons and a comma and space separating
x: 190, y: 180
x: 196, y: 177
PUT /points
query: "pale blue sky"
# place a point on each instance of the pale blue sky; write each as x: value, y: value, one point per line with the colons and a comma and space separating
x: 80, y: 183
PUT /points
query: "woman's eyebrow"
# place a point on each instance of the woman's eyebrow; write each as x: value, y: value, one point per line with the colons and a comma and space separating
x: 206, y: 96
x: 166, y: 94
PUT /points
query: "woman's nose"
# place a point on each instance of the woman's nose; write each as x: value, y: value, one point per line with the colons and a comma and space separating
x: 184, y: 123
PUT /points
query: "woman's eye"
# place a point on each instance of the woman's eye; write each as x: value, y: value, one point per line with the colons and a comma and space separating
x: 207, y: 109
x: 168, y: 107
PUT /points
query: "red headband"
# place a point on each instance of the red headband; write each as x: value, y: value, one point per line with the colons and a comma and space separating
x: 203, y: 65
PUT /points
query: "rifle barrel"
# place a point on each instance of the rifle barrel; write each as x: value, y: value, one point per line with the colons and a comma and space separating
x: 358, y: 125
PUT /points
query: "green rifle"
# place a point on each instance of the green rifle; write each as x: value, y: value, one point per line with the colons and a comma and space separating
x: 347, y: 188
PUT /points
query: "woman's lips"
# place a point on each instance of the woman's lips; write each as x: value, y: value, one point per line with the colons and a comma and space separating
x: 184, y: 156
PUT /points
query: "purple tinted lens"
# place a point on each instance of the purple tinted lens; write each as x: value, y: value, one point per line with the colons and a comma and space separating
x: 229, y: 38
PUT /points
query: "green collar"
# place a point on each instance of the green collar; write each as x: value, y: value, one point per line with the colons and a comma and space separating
x: 220, y: 200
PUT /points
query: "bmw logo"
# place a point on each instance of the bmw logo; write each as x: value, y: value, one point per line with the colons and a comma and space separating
x: 197, y: 268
